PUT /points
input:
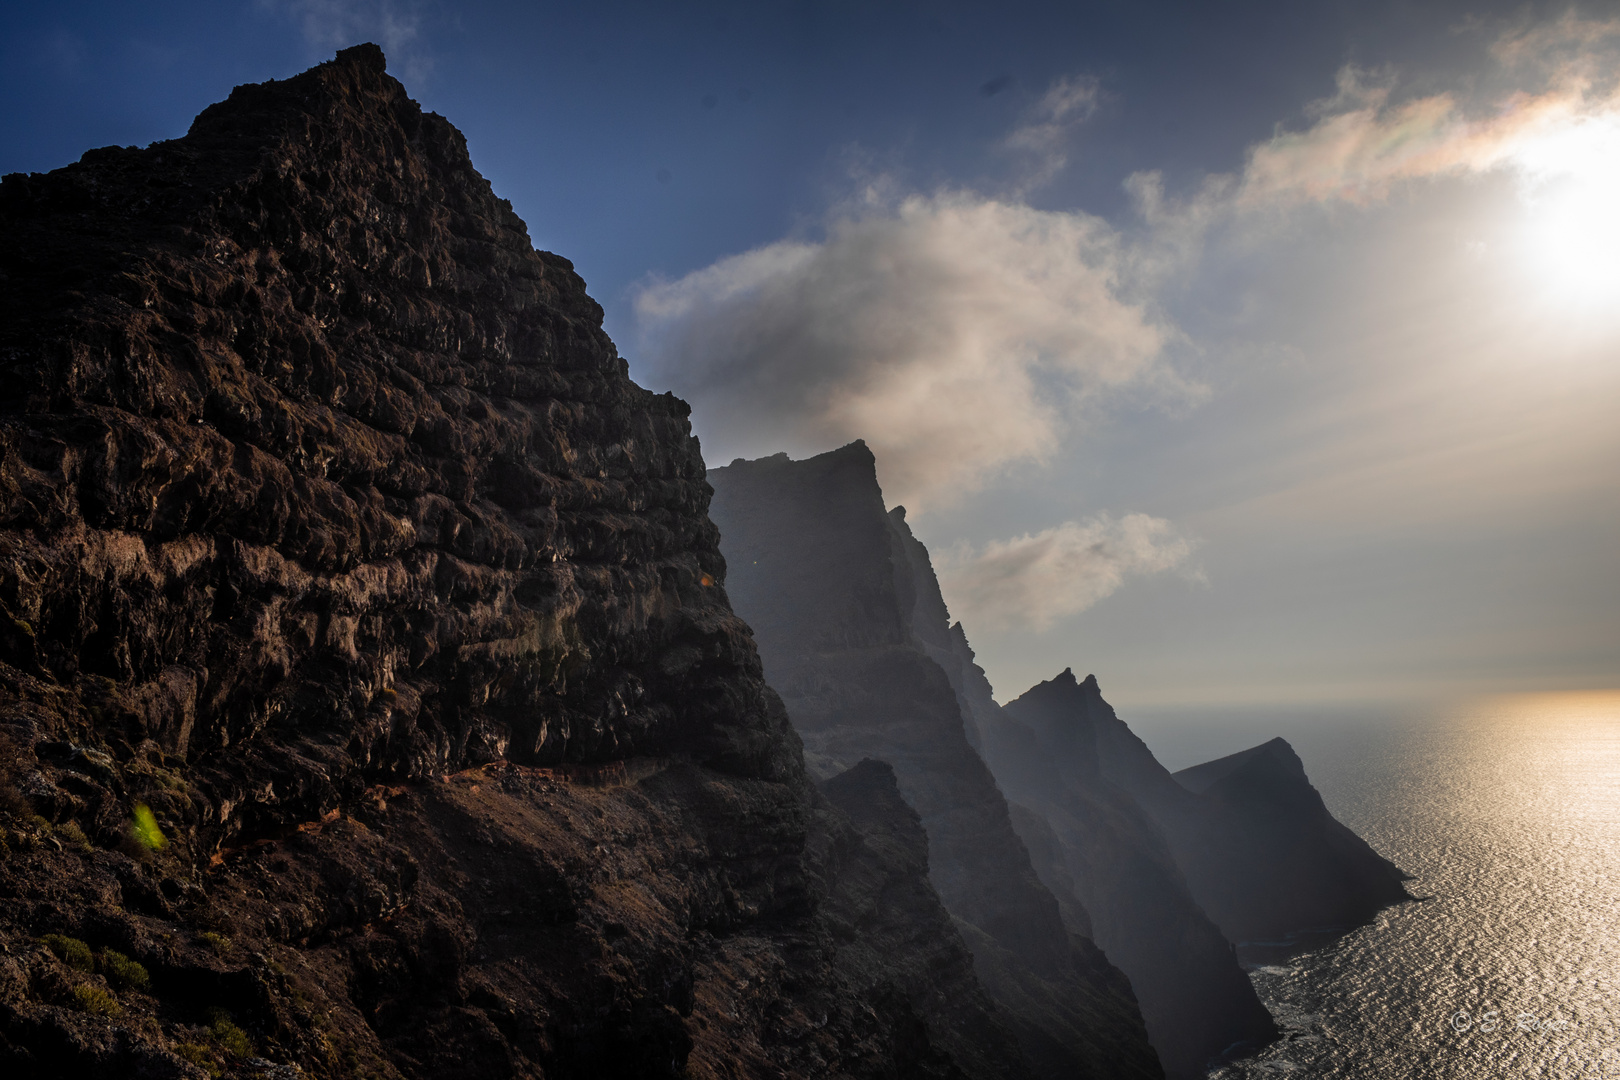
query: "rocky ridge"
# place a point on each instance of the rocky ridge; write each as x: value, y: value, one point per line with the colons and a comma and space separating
x: 368, y: 702
x: 1163, y: 873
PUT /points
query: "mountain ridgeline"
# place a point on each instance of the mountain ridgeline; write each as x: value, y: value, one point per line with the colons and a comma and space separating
x: 368, y: 705
x: 372, y: 702
x: 1156, y: 874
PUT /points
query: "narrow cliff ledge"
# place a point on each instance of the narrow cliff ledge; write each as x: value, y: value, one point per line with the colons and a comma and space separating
x: 367, y: 706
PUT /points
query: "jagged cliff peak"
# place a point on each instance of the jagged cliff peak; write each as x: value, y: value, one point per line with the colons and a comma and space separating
x: 363, y: 678
x: 1274, y: 755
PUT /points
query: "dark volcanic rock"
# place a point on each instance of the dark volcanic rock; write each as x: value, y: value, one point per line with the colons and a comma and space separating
x: 1244, y: 843
x: 1271, y: 861
x: 341, y: 561
x: 821, y: 572
x: 892, y: 929
x: 1260, y: 851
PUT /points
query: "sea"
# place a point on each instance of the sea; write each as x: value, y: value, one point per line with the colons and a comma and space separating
x: 1506, y: 812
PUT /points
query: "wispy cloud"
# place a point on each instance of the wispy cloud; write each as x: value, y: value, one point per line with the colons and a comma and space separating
x: 1067, y: 103
x: 955, y: 333
x: 396, y: 25
x: 1036, y: 579
x: 1363, y: 142
x: 1556, y: 136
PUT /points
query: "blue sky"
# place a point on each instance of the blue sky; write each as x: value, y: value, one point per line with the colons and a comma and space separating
x: 1235, y: 352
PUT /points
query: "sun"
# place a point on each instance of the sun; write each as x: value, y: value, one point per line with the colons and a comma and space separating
x: 1570, y: 233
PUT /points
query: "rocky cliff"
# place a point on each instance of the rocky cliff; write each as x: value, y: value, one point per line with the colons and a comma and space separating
x: 1163, y: 873
x: 1099, y: 852
x: 823, y: 574
x: 1269, y: 860
x: 1260, y: 852
x: 369, y: 705
x: 1197, y: 1002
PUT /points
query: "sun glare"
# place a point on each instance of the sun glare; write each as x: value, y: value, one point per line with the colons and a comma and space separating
x: 1571, y: 230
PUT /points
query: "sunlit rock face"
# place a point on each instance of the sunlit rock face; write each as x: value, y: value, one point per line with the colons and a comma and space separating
x: 364, y: 674
x: 825, y: 577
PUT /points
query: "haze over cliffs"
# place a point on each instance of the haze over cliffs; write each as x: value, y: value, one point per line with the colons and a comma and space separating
x: 369, y: 704
x: 813, y: 561
x: 1163, y: 876
x: 372, y: 704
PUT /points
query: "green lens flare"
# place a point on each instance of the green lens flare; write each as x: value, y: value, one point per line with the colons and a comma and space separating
x: 146, y: 828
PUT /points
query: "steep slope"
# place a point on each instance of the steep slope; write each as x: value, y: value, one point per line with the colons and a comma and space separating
x: 893, y: 930
x: 1100, y: 853
x: 1261, y: 853
x: 1271, y: 860
x: 1196, y: 1001
x: 820, y: 572
x: 366, y: 701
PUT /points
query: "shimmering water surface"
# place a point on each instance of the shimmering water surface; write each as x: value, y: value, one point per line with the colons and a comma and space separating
x: 1506, y: 811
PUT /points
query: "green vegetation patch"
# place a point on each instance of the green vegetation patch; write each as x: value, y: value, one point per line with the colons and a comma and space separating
x: 200, y: 1056
x: 145, y: 829
x: 95, y: 1000
x: 121, y: 971
x: 70, y: 950
x: 228, y: 1035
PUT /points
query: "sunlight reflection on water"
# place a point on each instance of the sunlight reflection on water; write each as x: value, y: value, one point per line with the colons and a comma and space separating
x: 1506, y: 811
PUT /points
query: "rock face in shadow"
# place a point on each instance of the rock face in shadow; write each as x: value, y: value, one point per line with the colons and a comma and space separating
x: 1270, y: 860
x: 1197, y: 1002
x: 1261, y: 853
x: 894, y: 935
x: 367, y: 700
x: 1102, y: 855
x: 823, y: 575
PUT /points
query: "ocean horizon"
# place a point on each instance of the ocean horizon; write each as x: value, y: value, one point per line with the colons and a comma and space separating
x: 1506, y: 812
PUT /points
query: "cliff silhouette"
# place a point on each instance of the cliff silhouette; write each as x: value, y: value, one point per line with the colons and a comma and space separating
x: 1048, y: 808
x: 368, y: 702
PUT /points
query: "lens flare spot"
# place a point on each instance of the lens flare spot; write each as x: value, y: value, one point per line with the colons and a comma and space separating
x: 145, y: 828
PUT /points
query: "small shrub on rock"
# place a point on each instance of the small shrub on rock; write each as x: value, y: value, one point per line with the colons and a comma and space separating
x: 95, y: 1000
x: 122, y: 972
x: 70, y: 950
x: 227, y: 1034
x: 200, y: 1056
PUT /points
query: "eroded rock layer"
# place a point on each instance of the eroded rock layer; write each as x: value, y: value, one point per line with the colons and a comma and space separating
x: 369, y: 706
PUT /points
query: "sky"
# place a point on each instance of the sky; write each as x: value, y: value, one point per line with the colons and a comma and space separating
x: 1237, y: 353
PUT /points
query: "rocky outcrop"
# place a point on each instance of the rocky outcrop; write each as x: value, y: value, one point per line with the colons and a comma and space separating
x: 1102, y: 856
x: 1197, y: 1002
x: 1271, y: 861
x: 1260, y: 852
x: 369, y: 705
x: 895, y: 936
x: 824, y: 576
x: 1167, y: 871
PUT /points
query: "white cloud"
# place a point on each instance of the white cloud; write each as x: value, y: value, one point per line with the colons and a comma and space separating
x: 956, y: 334
x: 1038, y: 578
x: 1363, y: 144
x: 1557, y: 137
